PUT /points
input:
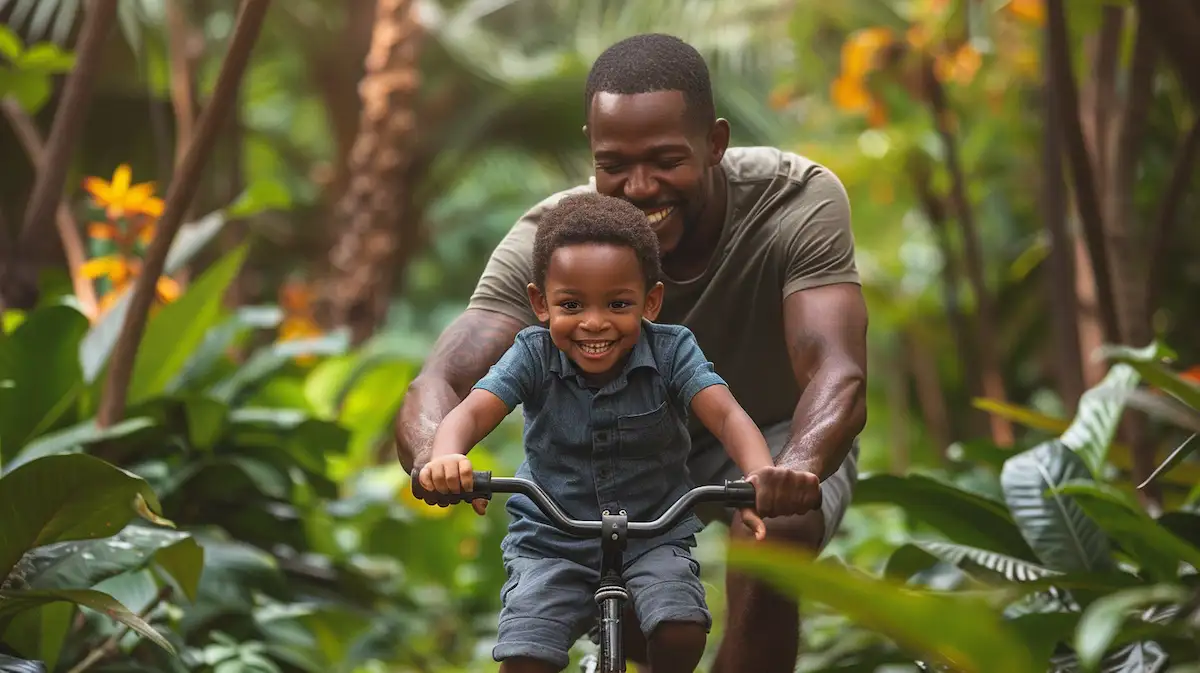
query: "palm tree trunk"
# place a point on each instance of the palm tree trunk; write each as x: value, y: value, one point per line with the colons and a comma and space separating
x: 370, y: 213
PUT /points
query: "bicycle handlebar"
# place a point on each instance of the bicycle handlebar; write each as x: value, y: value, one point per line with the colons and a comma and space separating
x: 733, y: 494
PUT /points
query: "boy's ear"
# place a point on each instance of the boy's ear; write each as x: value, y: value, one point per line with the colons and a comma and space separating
x: 538, y: 301
x: 653, y: 302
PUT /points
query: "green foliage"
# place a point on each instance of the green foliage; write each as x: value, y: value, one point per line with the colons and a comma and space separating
x: 27, y: 72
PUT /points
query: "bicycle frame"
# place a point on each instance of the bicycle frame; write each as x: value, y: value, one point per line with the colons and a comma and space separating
x: 614, y: 530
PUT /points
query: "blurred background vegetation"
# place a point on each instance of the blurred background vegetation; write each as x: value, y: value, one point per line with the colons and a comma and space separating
x: 1023, y: 185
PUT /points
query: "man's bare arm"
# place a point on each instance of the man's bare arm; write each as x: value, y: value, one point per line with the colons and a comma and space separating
x: 826, y: 332
x: 462, y: 355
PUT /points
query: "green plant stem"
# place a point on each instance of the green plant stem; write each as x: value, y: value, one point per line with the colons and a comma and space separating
x: 109, y: 645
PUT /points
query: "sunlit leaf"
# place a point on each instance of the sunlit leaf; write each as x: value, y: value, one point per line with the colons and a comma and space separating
x: 13, y: 602
x: 1100, y: 622
x: 970, y: 636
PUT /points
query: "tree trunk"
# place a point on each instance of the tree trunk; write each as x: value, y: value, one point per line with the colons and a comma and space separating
x: 370, y: 211
x: 930, y: 396
x: 1082, y: 170
x: 990, y: 368
x: 1060, y: 263
x: 19, y: 280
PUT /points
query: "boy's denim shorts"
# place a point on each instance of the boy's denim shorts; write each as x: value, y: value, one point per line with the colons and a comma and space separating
x: 549, y: 603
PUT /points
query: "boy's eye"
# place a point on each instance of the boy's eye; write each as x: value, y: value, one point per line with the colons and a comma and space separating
x: 620, y: 304
x: 569, y: 306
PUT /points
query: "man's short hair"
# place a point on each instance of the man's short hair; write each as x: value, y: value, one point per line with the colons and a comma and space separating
x: 595, y: 218
x: 654, y: 62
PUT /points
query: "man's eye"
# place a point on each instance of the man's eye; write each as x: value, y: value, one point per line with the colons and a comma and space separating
x: 669, y: 164
x: 610, y: 168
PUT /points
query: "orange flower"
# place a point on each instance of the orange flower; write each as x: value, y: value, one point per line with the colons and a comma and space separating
x: 860, y: 49
x: 1033, y: 11
x: 960, y: 66
x: 142, y: 231
x: 121, y: 272
x: 119, y: 197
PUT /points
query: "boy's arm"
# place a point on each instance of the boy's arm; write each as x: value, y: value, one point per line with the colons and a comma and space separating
x: 465, y: 426
x: 716, y: 408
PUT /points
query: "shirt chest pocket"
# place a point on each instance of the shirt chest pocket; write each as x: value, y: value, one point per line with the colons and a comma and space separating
x: 647, y: 434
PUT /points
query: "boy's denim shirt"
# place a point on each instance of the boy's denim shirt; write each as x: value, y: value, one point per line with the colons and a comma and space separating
x: 624, y: 446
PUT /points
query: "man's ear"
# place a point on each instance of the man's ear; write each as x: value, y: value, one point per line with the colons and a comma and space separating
x: 538, y: 301
x: 653, y: 302
x: 718, y: 141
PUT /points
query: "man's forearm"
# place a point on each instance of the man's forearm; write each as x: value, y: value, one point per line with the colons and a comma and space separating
x: 461, y: 356
x: 426, y: 403
x: 830, y: 414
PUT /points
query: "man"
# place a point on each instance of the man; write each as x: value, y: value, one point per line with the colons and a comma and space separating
x: 758, y: 261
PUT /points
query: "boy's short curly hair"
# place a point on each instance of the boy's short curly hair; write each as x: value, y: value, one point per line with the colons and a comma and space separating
x: 595, y: 218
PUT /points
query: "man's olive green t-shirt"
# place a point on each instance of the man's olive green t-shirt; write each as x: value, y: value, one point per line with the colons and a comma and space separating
x: 787, y: 229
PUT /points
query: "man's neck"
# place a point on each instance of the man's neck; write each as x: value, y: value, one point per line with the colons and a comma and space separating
x: 696, y: 248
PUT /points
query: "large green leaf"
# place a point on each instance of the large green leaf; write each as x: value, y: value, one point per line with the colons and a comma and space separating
x: 1098, y: 414
x: 1102, y: 620
x: 1148, y: 363
x: 77, y: 437
x: 1155, y: 547
x: 82, y: 564
x: 14, y: 602
x: 67, y: 497
x: 178, y: 329
x: 40, y: 361
x: 962, y: 516
x: 98, y: 344
x: 1061, y: 535
x: 962, y: 632
x: 40, y: 633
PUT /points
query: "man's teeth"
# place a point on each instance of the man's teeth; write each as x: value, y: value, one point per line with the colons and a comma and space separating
x: 595, y: 348
x: 659, y: 215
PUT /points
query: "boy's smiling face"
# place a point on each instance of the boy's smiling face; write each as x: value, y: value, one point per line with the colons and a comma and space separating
x: 594, y: 300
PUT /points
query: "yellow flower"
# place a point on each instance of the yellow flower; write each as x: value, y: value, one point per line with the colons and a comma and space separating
x: 1033, y: 11
x: 142, y: 230
x: 119, y: 197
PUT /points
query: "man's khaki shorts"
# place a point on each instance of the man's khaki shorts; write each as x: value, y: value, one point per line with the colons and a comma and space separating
x: 710, y: 464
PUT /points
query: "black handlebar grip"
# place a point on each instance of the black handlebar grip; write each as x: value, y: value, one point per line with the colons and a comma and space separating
x: 740, y: 494
x: 483, y: 490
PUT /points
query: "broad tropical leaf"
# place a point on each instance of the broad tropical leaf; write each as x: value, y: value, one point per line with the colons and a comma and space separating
x: 1097, y: 417
x: 67, y: 497
x: 1155, y: 547
x: 964, y: 517
x: 970, y: 634
x: 14, y: 665
x: 78, y: 437
x: 972, y: 558
x: 82, y: 564
x: 40, y: 363
x: 1018, y: 414
x: 175, y: 332
x: 1103, y: 619
x: 1061, y: 535
x: 14, y: 602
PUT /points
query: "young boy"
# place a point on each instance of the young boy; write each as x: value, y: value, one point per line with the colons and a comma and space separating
x: 605, y: 393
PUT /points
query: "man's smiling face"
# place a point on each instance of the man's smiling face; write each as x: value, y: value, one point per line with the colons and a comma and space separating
x: 648, y: 151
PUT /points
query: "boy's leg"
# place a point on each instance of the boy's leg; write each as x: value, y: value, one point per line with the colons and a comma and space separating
x: 668, y: 600
x: 547, y: 603
x: 762, y: 630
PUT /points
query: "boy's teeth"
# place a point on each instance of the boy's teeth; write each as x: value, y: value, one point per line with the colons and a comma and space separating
x: 596, y: 348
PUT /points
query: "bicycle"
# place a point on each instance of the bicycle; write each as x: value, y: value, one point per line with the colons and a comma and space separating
x: 614, y: 531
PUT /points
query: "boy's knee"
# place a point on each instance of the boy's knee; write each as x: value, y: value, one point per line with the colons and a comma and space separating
x: 677, y: 646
